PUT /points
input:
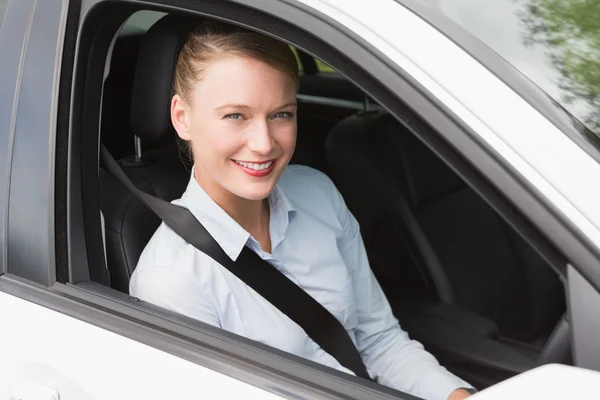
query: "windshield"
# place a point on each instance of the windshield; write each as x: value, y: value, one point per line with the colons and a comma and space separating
x: 555, y: 43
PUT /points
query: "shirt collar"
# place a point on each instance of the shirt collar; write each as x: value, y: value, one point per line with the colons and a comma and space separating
x: 224, y: 229
x: 282, y: 212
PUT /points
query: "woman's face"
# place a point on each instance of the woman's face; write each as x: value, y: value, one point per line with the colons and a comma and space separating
x: 241, y: 124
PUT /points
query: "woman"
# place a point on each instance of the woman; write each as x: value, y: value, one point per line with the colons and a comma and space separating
x: 235, y: 106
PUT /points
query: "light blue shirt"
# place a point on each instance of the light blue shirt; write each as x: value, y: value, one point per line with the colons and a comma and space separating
x: 316, y: 243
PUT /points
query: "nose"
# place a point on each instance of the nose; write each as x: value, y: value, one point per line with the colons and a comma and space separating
x: 261, y: 141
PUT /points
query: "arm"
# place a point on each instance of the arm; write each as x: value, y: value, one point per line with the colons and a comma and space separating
x: 167, y: 288
x: 389, y: 354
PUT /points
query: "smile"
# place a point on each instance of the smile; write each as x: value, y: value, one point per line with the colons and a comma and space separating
x: 254, y: 166
x: 256, y: 169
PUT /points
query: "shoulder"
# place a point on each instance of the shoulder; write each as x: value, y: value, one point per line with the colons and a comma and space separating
x: 307, y: 181
x: 295, y: 172
x: 164, y: 248
x: 168, y: 257
x: 171, y: 274
x: 315, y: 193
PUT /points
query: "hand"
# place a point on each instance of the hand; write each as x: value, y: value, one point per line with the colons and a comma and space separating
x: 459, y: 394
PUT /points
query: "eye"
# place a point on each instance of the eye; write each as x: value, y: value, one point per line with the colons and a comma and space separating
x: 235, y: 116
x: 283, y: 114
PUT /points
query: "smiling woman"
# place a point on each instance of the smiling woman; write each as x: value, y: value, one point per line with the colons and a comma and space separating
x: 232, y: 132
x: 234, y: 102
x: 470, y: 226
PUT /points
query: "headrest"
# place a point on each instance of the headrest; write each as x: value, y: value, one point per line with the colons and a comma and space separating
x: 154, y: 72
x: 416, y: 170
x: 429, y: 178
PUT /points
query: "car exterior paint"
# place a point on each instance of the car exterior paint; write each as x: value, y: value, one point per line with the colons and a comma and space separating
x: 43, y: 348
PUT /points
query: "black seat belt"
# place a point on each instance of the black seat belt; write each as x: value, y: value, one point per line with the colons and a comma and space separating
x: 266, y: 280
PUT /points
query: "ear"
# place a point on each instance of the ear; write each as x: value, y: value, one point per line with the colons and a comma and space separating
x: 180, y: 117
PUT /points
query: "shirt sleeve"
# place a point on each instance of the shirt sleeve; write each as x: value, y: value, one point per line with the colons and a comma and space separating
x: 391, y: 357
x: 168, y: 288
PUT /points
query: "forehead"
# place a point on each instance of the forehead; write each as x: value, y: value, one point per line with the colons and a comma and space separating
x: 244, y: 79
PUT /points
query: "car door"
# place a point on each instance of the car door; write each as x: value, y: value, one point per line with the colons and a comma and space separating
x: 66, y: 336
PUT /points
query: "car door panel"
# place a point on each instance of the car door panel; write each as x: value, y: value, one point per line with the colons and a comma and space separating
x: 84, y: 362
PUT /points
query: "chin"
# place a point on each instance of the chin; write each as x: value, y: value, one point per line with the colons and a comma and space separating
x: 256, y: 195
x: 256, y: 192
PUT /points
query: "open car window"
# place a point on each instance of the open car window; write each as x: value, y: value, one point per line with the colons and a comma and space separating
x: 360, y: 147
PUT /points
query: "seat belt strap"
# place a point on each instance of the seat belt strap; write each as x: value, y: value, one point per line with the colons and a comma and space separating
x: 318, y: 323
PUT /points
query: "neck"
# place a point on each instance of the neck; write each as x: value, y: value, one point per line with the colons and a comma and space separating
x: 252, y: 215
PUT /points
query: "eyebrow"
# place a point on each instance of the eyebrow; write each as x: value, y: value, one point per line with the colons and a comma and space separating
x: 291, y: 103
x: 245, y: 106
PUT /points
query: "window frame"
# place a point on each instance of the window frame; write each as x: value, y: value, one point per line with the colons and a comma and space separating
x: 12, y: 37
x: 448, y: 152
x: 30, y: 202
x: 190, y: 339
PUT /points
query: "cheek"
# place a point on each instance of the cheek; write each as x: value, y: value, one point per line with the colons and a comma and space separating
x: 215, y: 143
x: 286, y: 138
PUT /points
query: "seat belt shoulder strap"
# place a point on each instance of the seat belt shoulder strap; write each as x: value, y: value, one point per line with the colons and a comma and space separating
x: 318, y: 323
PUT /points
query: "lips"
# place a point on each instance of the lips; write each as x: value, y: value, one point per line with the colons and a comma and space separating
x: 256, y: 169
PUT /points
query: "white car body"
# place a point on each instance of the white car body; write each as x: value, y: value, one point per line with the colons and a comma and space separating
x: 45, y: 354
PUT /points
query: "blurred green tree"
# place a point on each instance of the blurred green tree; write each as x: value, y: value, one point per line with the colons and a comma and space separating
x: 570, y: 30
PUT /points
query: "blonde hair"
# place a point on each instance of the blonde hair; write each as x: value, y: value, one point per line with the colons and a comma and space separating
x: 212, y: 38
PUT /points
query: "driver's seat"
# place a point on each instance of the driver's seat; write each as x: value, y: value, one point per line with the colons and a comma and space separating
x: 129, y: 224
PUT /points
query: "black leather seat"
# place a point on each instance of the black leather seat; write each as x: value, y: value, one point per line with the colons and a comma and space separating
x: 116, y: 133
x: 427, y: 232
x: 129, y: 225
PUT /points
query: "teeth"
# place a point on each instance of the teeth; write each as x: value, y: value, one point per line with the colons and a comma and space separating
x: 255, y: 166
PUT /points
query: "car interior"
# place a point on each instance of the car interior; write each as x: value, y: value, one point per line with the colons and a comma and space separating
x: 460, y: 279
